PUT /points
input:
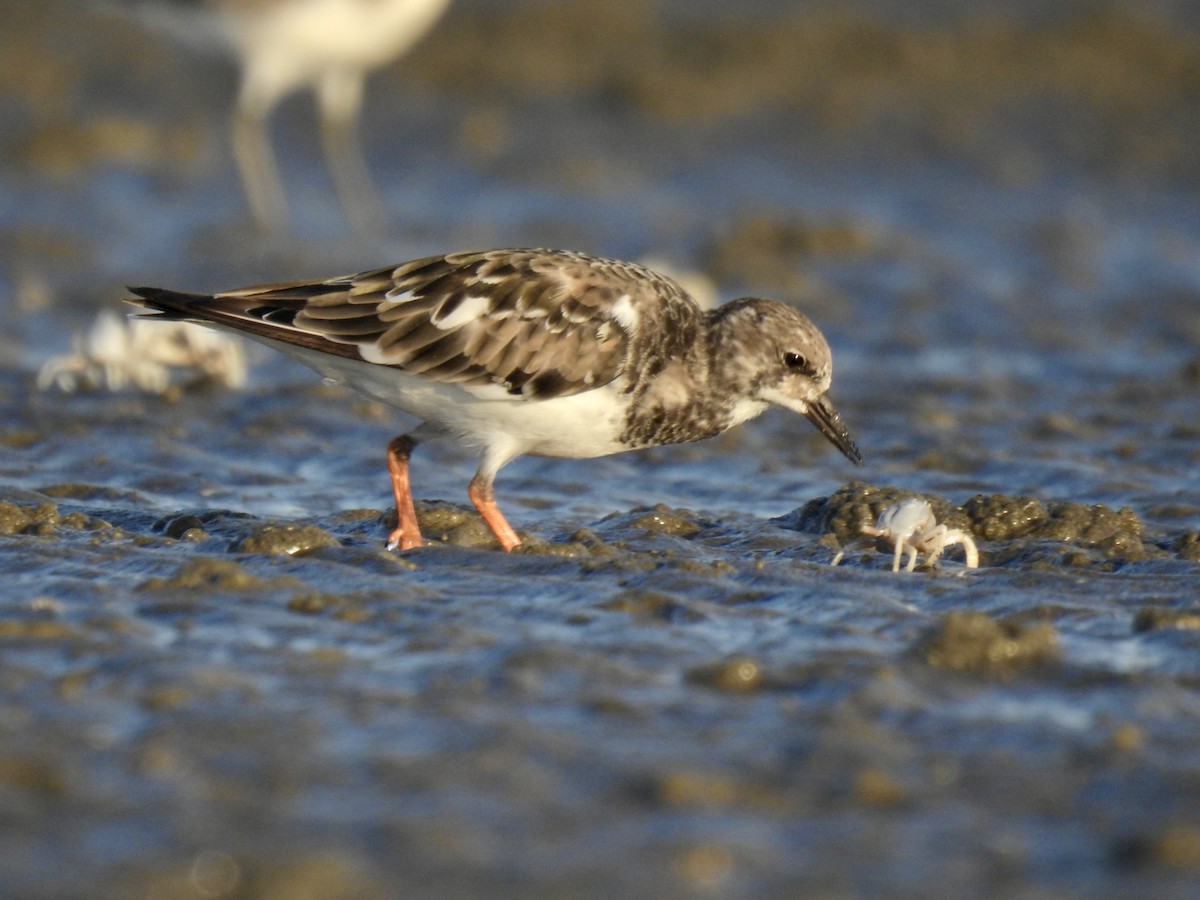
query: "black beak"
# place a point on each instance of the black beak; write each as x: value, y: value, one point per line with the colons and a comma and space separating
x: 821, y: 412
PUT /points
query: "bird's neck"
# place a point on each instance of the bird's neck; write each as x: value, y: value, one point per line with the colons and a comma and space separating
x: 726, y: 374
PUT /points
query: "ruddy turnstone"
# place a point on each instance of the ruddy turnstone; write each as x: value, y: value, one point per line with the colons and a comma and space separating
x: 541, y: 352
x: 286, y: 45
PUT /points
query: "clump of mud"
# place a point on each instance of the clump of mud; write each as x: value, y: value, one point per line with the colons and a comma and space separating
x: 450, y: 523
x: 1187, y: 546
x: 657, y: 520
x: 1160, y: 618
x: 286, y: 539
x: 45, y: 519
x: 1018, y: 523
x: 739, y: 675
x: 212, y: 574
x: 976, y: 643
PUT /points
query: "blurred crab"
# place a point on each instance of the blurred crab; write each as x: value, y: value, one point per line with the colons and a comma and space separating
x: 910, y: 525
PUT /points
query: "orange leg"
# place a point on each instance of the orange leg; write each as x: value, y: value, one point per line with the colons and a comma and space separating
x: 408, y: 533
x: 481, y: 494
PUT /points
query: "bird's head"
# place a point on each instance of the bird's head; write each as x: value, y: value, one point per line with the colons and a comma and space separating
x: 774, y: 354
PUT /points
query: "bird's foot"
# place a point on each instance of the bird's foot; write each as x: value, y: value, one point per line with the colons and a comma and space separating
x: 404, y: 539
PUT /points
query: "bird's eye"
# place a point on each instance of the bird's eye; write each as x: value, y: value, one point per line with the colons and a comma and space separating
x: 795, y: 360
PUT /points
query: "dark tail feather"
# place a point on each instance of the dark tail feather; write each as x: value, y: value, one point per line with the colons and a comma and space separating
x: 246, y: 314
x: 174, y: 306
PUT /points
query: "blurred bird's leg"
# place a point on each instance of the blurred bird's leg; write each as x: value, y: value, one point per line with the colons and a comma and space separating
x: 339, y: 99
x: 257, y: 165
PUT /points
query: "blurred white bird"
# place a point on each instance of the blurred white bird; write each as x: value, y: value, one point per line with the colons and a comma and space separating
x: 117, y: 355
x: 287, y: 45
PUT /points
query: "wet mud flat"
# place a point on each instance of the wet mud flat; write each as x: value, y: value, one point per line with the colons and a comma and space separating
x: 201, y: 701
x: 214, y: 681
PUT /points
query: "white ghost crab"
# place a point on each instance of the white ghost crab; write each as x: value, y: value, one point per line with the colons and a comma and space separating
x: 910, y: 525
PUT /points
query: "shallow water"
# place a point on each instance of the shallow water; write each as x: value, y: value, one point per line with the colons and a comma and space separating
x: 216, y: 682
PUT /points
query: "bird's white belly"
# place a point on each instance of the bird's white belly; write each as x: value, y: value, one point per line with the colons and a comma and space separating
x: 580, y: 426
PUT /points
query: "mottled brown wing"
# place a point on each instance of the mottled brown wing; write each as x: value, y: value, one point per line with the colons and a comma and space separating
x: 536, y: 323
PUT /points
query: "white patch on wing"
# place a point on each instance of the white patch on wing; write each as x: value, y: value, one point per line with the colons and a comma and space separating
x: 623, y: 312
x: 372, y: 354
x: 394, y: 298
x: 470, y: 309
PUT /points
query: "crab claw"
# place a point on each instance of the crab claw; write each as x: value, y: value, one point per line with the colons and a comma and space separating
x: 822, y: 413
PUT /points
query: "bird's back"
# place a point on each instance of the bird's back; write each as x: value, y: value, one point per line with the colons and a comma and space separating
x: 501, y: 324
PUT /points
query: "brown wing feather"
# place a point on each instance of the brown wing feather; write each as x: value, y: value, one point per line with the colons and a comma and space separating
x: 539, y: 323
